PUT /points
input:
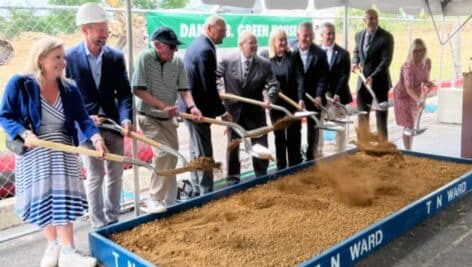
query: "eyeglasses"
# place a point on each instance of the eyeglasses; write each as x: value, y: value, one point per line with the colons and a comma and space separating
x: 419, y: 50
x: 172, y: 47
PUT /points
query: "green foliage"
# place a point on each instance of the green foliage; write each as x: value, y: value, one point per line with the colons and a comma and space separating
x: 144, y: 4
x: 56, y: 21
x: 167, y: 4
x: 71, y: 2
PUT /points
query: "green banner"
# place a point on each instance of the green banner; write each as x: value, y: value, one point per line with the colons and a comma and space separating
x: 189, y: 26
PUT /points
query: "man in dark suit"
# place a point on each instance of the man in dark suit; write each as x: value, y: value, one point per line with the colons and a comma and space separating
x: 101, y: 76
x: 200, y: 66
x: 313, y: 65
x: 339, y: 62
x: 372, y: 55
x: 246, y: 74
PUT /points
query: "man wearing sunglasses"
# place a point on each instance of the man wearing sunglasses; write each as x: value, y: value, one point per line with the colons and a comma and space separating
x: 158, y: 80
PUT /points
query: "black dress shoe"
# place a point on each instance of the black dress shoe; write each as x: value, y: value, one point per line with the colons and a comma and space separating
x: 232, y: 180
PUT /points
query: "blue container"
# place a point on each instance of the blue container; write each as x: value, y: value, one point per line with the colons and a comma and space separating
x: 329, y: 135
x: 430, y: 108
x: 341, y: 254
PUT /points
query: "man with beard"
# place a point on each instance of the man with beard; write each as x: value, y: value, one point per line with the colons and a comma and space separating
x: 372, y: 56
x: 101, y: 77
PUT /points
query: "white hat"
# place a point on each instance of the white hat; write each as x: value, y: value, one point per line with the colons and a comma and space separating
x: 90, y: 13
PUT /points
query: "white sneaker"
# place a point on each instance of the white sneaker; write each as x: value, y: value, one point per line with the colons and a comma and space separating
x: 74, y: 259
x: 51, y: 255
x: 154, y: 206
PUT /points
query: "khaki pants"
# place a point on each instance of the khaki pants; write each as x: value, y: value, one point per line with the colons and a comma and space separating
x: 162, y: 188
x: 104, y: 181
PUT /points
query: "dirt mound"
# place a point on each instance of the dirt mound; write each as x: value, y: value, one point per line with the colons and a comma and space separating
x: 291, y: 219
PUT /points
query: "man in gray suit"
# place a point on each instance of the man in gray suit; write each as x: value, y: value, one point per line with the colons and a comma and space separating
x: 246, y: 74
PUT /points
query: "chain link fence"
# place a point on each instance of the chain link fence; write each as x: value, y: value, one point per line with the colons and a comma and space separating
x: 20, y: 27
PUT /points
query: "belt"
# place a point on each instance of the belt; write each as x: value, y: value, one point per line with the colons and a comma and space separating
x: 154, y: 117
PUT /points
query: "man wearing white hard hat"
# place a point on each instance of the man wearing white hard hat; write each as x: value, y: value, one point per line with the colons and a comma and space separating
x: 101, y: 77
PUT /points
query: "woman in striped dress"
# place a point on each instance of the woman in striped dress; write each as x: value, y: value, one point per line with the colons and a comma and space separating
x: 49, y: 191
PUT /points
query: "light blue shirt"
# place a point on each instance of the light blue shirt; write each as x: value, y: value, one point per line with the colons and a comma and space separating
x: 95, y: 64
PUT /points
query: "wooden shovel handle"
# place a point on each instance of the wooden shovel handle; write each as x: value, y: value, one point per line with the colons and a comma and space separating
x: 203, y: 119
x: 144, y: 139
x: 75, y: 150
x: 290, y: 101
x: 242, y: 99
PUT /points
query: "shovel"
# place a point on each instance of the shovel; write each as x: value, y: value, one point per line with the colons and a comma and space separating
x: 375, y: 103
x: 312, y: 99
x: 110, y: 124
x: 256, y: 150
x: 114, y: 157
x: 319, y: 125
x: 295, y: 116
x: 91, y: 153
x: 417, y: 130
x: 348, y: 111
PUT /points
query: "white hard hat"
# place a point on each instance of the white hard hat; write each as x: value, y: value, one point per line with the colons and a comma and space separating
x: 90, y: 13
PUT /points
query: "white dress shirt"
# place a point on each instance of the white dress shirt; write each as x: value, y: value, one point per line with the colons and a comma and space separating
x: 304, y: 57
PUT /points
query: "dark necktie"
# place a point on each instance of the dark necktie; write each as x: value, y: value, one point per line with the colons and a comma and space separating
x: 246, y: 68
x: 367, y: 42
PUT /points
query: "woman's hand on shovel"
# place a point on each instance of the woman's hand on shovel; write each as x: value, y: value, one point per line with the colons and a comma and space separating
x: 29, y: 135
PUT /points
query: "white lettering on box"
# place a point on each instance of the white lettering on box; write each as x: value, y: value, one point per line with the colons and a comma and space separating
x: 456, y: 191
x: 116, y: 256
x: 131, y: 264
x: 365, y: 245
x: 428, y: 206
x: 335, y: 261
x: 438, y: 201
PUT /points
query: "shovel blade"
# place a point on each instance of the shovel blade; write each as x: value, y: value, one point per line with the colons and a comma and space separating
x: 260, y: 151
x: 414, y: 132
x: 419, y: 131
x: 301, y: 114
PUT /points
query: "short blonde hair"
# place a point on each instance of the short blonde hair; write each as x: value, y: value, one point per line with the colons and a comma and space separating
x: 274, y: 35
x: 39, y: 49
x: 418, y: 43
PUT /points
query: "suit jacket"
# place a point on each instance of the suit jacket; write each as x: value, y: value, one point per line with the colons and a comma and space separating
x: 200, y: 66
x: 113, y: 95
x: 376, y: 62
x: 21, y: 108
x: 315, y: 78
x: 260, y: 77
x: 339, y: 73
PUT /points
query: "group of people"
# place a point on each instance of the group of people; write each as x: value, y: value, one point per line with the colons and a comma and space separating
x: 63, y: 94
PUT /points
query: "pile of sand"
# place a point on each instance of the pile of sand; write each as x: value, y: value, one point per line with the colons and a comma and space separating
x: 292, y: 219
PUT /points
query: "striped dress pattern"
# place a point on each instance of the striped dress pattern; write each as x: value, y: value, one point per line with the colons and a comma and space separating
x: 49, y: 189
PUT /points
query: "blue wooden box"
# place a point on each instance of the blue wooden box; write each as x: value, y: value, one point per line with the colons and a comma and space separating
x: 345, y: 253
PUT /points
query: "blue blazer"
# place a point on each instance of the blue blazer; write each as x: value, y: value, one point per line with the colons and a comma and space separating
x: 22, y: 102
x: 200, y: 66
x: 114, y: 92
